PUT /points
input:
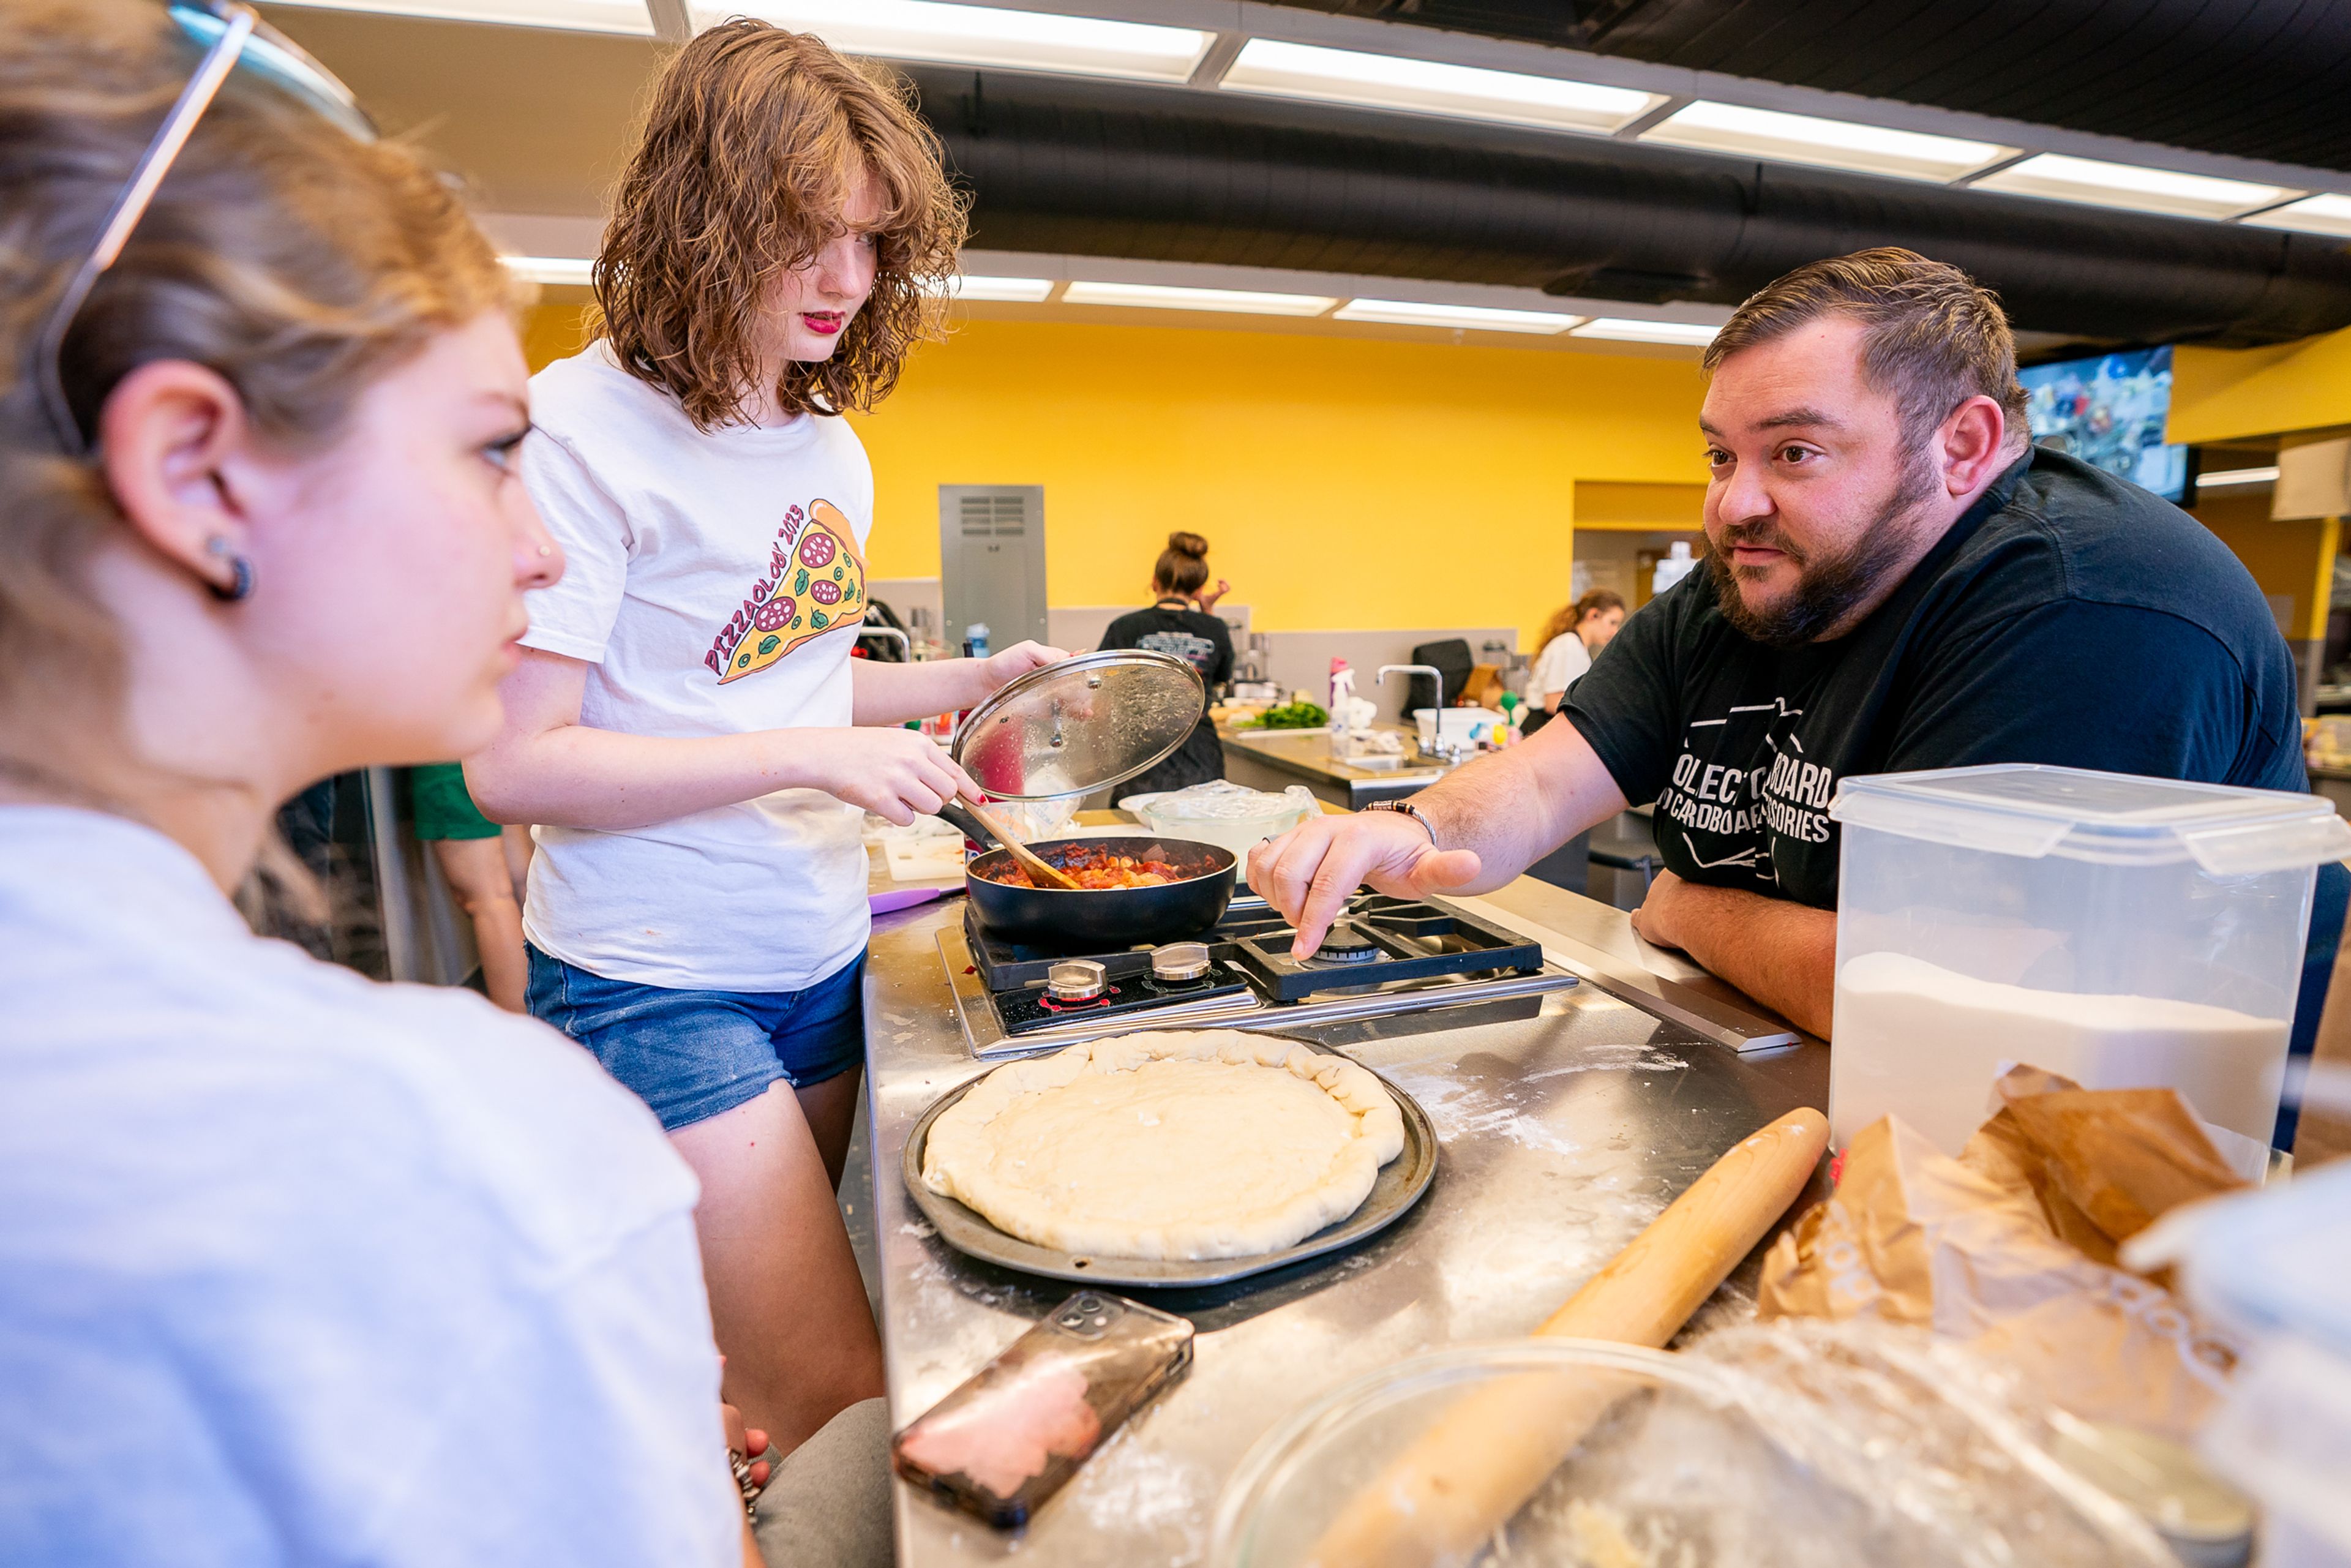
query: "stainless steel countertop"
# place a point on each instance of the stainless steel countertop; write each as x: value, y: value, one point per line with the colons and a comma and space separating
x: 1308, y: 754
x: 1562, y: 1135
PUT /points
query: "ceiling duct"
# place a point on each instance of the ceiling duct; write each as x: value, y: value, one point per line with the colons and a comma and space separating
x: 1171, y: 174
x: 2253, y: 78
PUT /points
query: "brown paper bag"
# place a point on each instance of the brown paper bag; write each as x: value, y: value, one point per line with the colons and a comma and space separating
x: 2011, y: 1247
x: 2103, y: 1164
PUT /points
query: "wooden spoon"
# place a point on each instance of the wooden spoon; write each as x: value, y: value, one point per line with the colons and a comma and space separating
x: 1040, y: 871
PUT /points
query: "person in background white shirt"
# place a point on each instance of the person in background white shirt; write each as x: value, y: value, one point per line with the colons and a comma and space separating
x: 296, y: 1266
x: 688, y: 729
x: 1571, y: 640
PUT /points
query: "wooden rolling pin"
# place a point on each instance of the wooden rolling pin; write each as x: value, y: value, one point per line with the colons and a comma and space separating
x: 1439, y: 1501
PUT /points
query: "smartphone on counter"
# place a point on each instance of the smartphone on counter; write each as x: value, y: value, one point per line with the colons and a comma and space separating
x: 1007, y: 1438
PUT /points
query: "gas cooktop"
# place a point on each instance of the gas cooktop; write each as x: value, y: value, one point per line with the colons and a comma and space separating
x: 1384, y: 957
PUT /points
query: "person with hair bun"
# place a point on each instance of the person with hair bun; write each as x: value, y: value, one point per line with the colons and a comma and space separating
x: 1571, y: 640
x: 1178, y: 622
x: 296, y: 1266
x: 688, y: 728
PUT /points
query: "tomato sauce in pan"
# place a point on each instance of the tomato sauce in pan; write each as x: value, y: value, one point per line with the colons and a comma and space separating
x: 1095, y: 869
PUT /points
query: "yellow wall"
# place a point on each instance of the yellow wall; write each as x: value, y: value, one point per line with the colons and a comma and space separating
x: 2229, y: 394
x: 2225, y: 395
x: 1639, y: 508
x: 1341, y: 482
x: 552, y: 332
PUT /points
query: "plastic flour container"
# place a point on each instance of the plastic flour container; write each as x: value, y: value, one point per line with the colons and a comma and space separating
x: 2124, y: 932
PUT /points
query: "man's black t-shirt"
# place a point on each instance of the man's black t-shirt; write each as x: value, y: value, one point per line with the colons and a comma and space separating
x: 2068, y: 618
x: 1207, y: 644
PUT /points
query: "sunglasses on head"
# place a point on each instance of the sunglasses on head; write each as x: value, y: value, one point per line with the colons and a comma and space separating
x: 233, y: 37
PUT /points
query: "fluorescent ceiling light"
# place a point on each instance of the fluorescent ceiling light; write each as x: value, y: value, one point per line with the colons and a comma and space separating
x: 1830, y: 143
x: 1159, y: 296
x: 983, y: 36
x: 2229, y: 476
x: 581, y: 15
x: 2326, y: 214
x: 1429, y: 86
x: 2128, y: 185
x: 1630, y: 331
x: 1020, y: 290
x: 1409, y: 313
x: 570, y: 269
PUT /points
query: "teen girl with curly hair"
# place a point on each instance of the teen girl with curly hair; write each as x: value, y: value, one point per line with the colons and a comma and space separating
x: 688, y: 728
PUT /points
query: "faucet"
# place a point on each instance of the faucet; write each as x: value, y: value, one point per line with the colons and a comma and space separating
x: 1431, y: 671
x: 1441, y: 747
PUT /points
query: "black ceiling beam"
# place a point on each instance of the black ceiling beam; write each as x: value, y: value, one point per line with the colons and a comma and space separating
x: 2246, y: 79
x: 1171, y: 174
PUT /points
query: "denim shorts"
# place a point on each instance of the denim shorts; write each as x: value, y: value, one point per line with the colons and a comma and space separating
x: 693, y: 1054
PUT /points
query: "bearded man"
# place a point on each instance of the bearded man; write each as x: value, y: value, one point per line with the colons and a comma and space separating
x: 1896, y: 579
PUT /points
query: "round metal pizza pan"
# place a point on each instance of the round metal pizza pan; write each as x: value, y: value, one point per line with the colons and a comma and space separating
x: 1402, y: 1182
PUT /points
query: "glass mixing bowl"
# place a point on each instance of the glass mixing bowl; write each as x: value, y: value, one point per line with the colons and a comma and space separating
x: 1781, y: 1446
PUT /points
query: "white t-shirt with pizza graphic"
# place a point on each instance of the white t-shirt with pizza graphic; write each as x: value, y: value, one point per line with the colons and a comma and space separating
x: 714, y: 584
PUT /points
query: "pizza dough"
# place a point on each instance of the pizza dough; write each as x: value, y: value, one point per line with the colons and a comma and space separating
x: 1176, y: 1145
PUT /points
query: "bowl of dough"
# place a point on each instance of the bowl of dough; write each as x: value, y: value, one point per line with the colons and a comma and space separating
x: 1781, y: 1446
x: 1231, y: 816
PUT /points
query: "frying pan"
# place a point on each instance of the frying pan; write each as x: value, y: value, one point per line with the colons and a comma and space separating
x: 1100, y: 917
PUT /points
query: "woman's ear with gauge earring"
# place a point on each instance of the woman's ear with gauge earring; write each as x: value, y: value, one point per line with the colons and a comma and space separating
x: 239, y: 585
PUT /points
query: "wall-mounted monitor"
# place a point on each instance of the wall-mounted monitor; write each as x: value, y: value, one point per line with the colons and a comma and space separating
x: 2109, y: 412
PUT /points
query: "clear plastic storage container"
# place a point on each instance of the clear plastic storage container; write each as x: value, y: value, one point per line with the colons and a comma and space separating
x: 1219, y: 813
x: 2124, y: 932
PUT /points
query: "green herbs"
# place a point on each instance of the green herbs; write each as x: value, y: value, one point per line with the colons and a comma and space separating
x: 1290, y: 715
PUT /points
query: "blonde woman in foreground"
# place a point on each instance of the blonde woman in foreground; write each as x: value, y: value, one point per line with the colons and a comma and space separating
x: 296, y: 1266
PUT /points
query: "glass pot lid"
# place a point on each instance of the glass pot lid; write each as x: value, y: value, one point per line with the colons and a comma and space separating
x: 1082, y: 724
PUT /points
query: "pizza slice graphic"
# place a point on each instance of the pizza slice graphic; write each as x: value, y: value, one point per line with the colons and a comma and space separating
x: 815, y: 583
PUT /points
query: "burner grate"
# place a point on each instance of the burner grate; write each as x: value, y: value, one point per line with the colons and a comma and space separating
x: 1415, y: 941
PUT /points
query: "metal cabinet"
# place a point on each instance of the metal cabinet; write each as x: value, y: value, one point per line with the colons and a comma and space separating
x: 992, y: 561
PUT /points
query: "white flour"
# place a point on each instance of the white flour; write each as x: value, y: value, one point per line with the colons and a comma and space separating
x: 1613, y: 1059
x: 1127, y: 1491
x: 1922, y: 1042
x: 1460, y: 1110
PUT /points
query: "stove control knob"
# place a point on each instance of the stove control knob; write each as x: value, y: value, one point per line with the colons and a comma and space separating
x: 1075, y: 980
x: 1180, y: 961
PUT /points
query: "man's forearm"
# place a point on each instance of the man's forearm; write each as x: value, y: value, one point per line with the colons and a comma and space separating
x: 1517, y: 805
x: 1780, y: 953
